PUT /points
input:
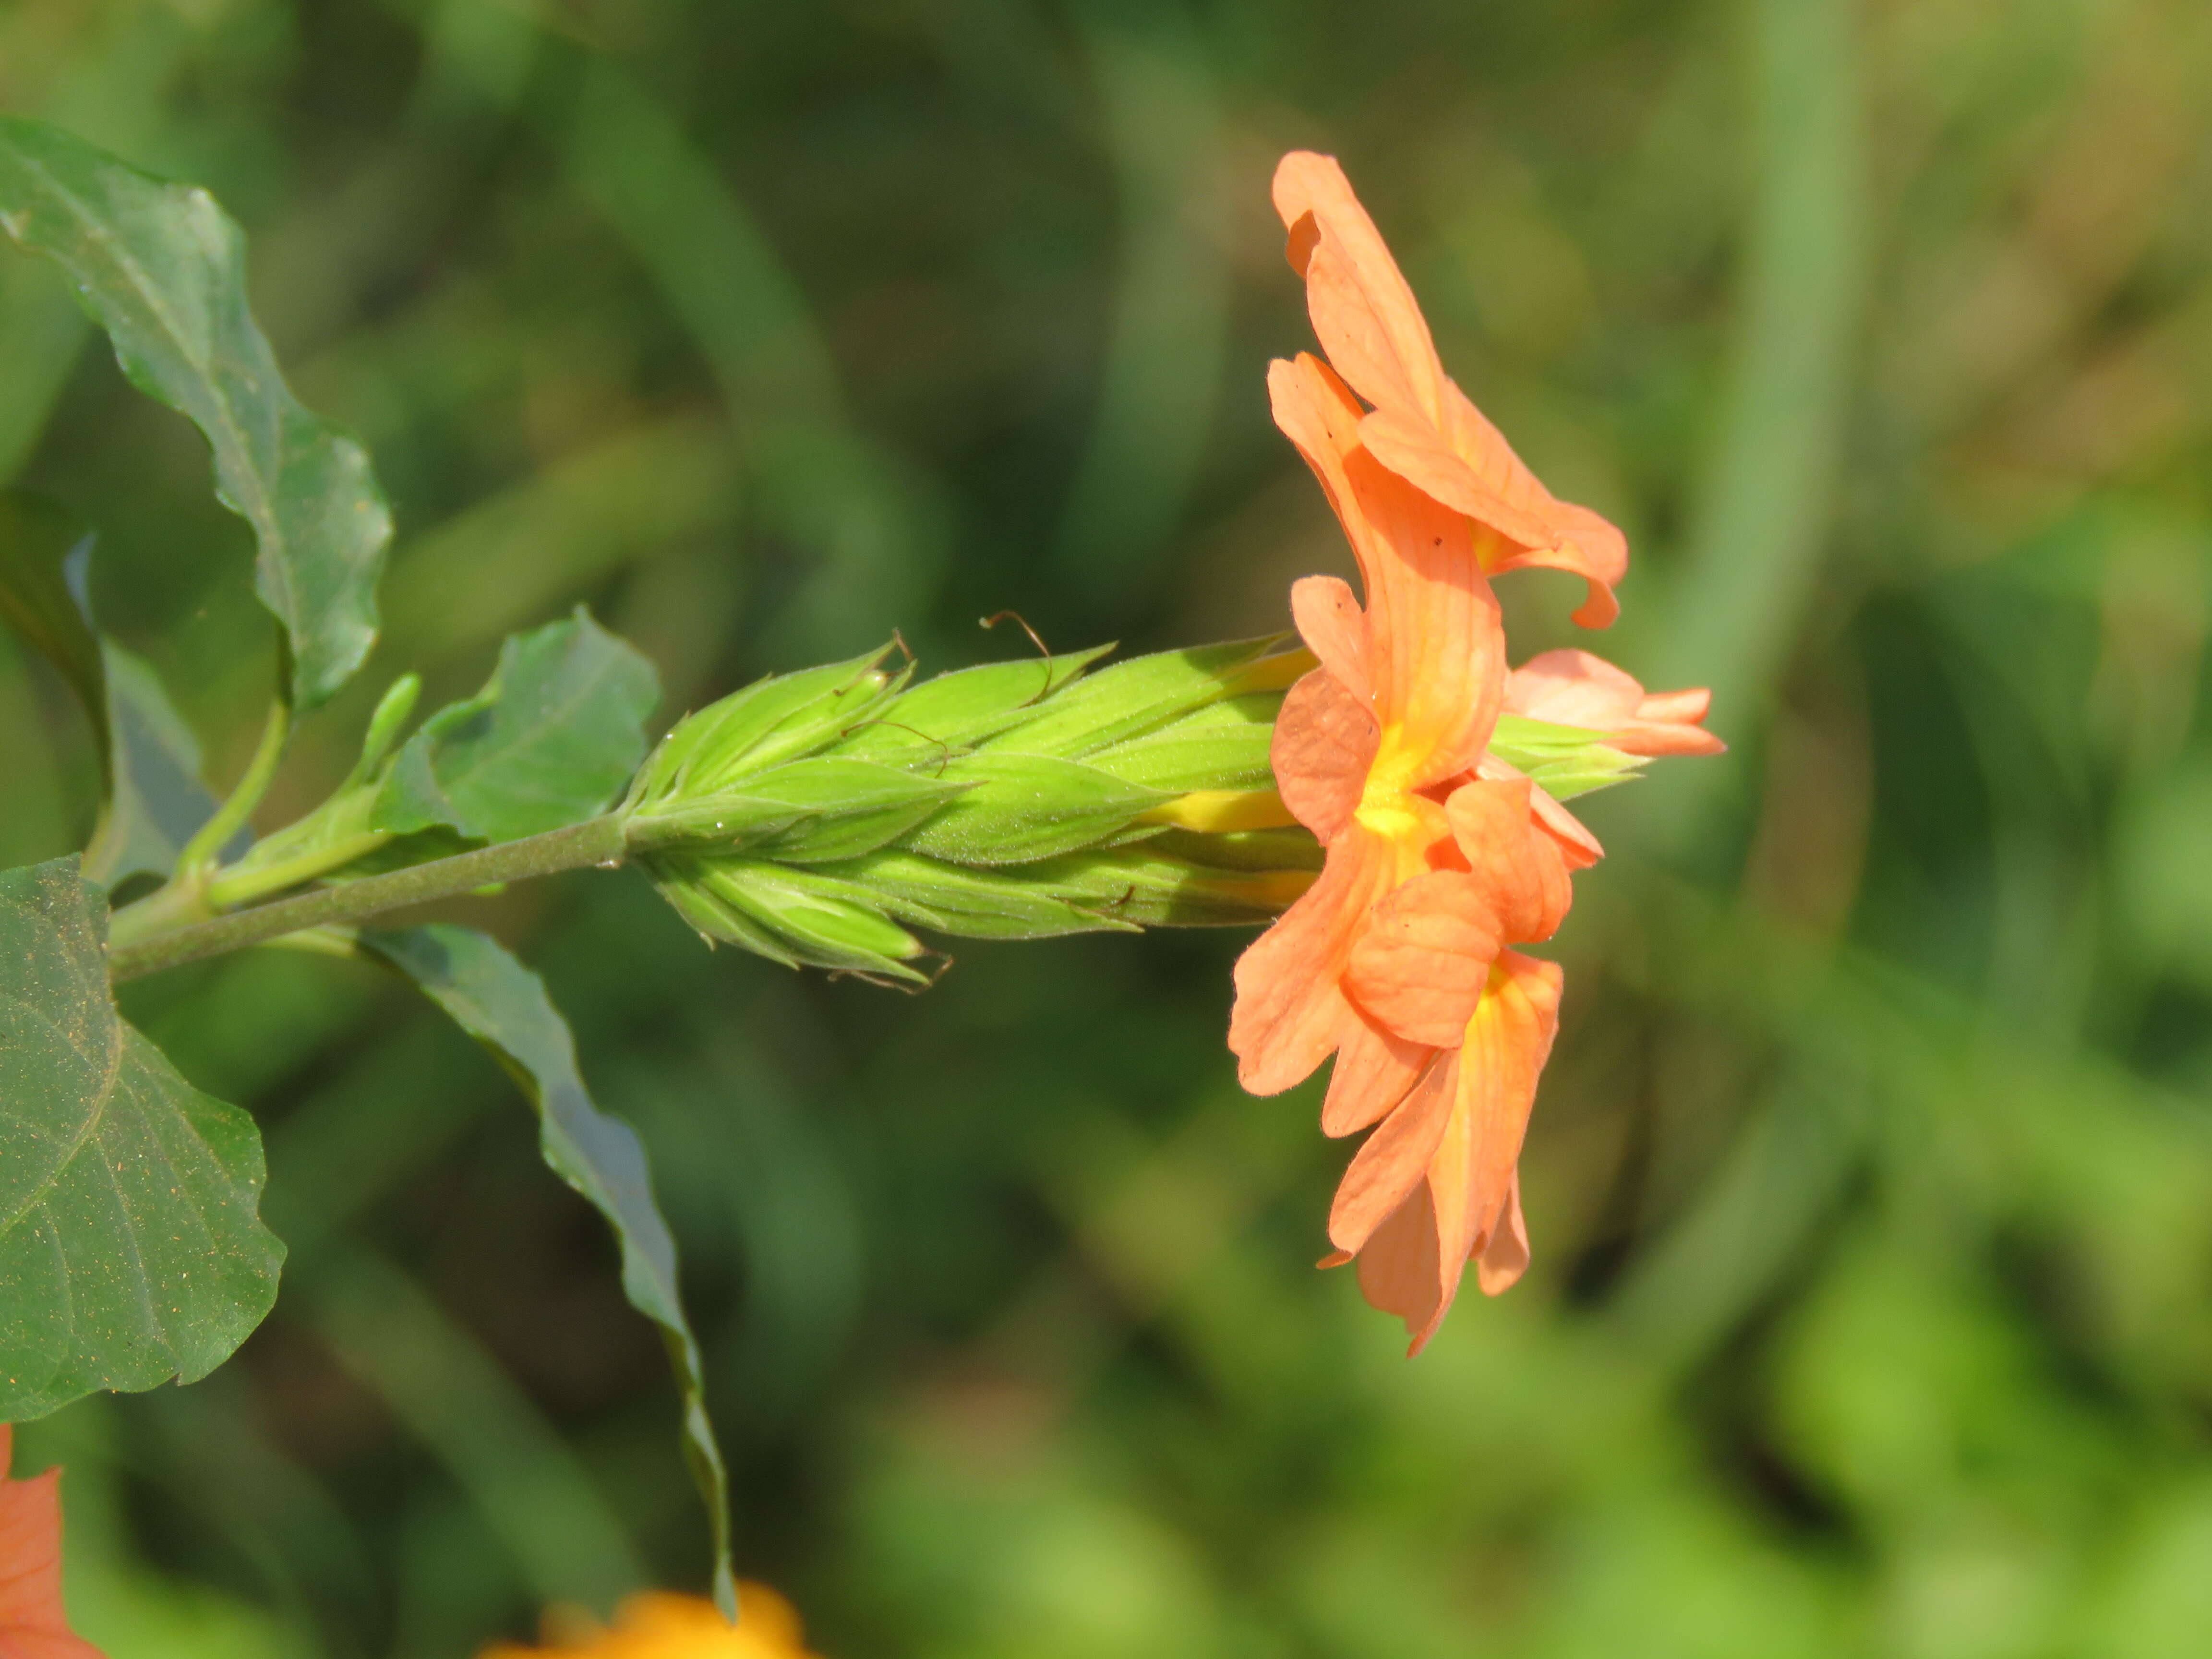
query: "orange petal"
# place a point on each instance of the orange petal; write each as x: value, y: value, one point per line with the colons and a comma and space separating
x: 1571, y: 538
x: 1502, y: 1258
x: 1573, y: 688
x: 1577, y: 845
x: 1393, y: 1160
x: 1290, y: 1013
x: 1398, y: 1269
x: 1374, y: 1069
x: 32, y: 1623
x: 1419, y: 966
x: 1435, y: 643
x: 1520, y: 869
x: 1364, y: 312
x: 1324, y: 743
x: 1330, y: 621
x: 1508, y: 1042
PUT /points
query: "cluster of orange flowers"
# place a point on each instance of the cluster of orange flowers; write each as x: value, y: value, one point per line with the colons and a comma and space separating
x: 1440, y: 856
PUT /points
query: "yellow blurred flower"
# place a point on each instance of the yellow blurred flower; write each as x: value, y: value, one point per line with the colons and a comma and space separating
x: 657, y: 1625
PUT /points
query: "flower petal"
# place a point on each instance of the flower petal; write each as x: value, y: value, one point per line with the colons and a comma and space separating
x: 1573, y: 688
x: 1291, y: 1013
x: 1364, y: 311
x: 1421, y: 965
x: 1434, y: 640
x: 1508, y: 1042
x: 1520, y: 870
x: 1374, y: 1070
x: 1393, y: 1160
x: 1502, y: 1258
x: 1324, y: 741
x: 1398, y: 1269
x: 1577, y: 845
x: 32, y: 1622
x: 1329, y: 620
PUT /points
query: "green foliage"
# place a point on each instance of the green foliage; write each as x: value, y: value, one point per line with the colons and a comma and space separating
x: 153, y: 798
x: 131, y: 1248
x: 550, y: 740
x: 163, y: 270
x: 502, y: 1004
x: 1869, y: 1183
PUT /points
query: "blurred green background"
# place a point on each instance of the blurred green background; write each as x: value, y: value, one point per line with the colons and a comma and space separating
x: 1871, y: 1184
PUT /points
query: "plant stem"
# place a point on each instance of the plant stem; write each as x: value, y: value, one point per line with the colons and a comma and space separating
x: 598, y: 841
x: 207, y: 844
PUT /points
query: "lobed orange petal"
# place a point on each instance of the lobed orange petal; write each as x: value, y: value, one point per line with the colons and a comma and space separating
x: 1374, y: 1071
x: 1577, y: 845
x: 1522, y: 871
x: 1398, y: 1271
x: 1325, y: 741
x: 1504, y: 1256
x: 1364, y: 311
x: 1573, y: 688
x: 32, y: 1622
x: 1469, y: 1205
x: 1394, y: 1160
x: 1290, y: 1013
x: 1435, y: 640
x: 1419, y: 967
x: 1329, y: 620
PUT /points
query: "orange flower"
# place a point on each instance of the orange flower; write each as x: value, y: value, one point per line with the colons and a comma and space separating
x: 660, y: 1625
x: 1422, y: 427
x: 1439, y: 856
x: 33, y: 1624
x: 1573, y: 688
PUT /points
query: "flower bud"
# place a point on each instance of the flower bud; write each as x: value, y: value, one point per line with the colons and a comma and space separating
x: 813, y: 817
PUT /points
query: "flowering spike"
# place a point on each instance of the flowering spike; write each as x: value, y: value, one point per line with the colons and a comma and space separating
x: 1016, y: 800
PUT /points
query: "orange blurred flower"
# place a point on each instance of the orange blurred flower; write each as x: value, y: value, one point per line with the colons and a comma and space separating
x: 33, y: 1624
x: 1439, y: 856
x: 1573, y: 688
x: 657, y: 1625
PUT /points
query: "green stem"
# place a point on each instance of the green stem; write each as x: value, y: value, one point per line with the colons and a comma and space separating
x: 598, y: 841
x: 233, y: 886
x: 205, y: 846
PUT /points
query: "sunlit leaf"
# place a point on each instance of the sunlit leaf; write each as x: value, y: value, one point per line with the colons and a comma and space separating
x: 162, y: 269
x: 502, y: 1004
x: 550, y: 740
x: 131, y: 1247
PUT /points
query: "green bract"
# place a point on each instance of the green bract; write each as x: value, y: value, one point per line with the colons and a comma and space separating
x: 813, y: 817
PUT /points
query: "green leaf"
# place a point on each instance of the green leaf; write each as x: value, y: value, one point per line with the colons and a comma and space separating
x: 502, y: 1004
x: 550, y: 741
x: 149, y: 761
x: 162, y: 269
x: 1027, y: 806
x: 37, y: 538
x: 155, y: 802
x: 131, y: 1250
